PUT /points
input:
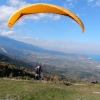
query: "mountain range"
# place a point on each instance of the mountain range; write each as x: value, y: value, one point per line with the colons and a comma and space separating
x: 54, y: 62
x: 11, y: 46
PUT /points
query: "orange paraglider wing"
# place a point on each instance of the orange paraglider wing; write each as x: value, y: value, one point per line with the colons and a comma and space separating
x: 43, y: 8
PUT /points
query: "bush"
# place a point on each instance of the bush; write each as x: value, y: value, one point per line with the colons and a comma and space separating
x: 67, y: 83
x: 11, y: 75
x: 26, y: 78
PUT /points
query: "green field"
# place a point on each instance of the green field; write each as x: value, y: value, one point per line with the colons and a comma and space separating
x: 42, y: 90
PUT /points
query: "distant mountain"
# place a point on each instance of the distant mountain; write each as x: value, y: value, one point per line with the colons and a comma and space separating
x: 13, y: 47
x: 53, y: 62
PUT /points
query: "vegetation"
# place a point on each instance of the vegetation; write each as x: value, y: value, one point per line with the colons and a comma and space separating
x: 17, y: 62
x: 12, y: 71
x: 9, y: 68
x: 43, y: 90
x: 17, y: 82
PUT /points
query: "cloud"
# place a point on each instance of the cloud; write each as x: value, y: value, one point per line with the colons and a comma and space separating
x: 5, y: 33
x: 63, y: 45
x: 42, y: 0
x: 70, y: 3
x: 7, y: 10
x: 12, y: 6
x: 40, y: 16
x: 47, y: 16
x: 17, y: 3
x: 52, y: 16
x: 98, y: 3
x: 90, y: 0
x: 9, y: 32
x: 20, y: 22
x: 93, y: 3
x: 35, y: 0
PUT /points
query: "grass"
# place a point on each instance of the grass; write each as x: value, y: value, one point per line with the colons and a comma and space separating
x: 39, y: 90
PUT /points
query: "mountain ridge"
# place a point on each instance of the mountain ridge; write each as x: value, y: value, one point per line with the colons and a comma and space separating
x: 7, y: 44
x: 67, y: 65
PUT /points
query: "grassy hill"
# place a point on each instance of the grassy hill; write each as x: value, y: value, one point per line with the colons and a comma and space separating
x: 17, y: 85
x: 43, y: 90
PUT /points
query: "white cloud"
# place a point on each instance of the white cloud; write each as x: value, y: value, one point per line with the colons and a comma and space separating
x: 13, y: 2
x: 78, y: 15
x: 17, y: 3
x: 7, y: 10
x: 40, y: 16
x: 90, y: 0
x: 20, y: 21
x: 35, y: 0
x: 5, y: 33
x: 53, y: 16
x: 69, y: 0
x: 94, y: 3
x: 70, y: 3
x: 13, y: 5
x: 41, y: 0
x: 63, y: 45
x: 98, y: 3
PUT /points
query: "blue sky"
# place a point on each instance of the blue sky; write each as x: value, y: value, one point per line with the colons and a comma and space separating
x: 52, y: 31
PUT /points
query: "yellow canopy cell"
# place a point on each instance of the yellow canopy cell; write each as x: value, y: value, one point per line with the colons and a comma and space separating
x: 42, y: 8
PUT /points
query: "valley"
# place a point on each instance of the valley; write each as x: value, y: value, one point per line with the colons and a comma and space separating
x: 78, y: 67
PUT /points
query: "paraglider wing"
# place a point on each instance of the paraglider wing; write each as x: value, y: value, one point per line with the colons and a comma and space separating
x: 43, y: 8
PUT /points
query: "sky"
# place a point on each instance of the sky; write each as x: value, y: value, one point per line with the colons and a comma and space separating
x: 53, y: 31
